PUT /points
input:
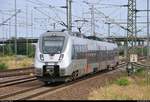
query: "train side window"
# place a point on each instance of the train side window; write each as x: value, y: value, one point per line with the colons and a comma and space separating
x: 113, y: 54
x: 77, y: 49
x: 78, y: 52
x: 73, y: 52
x: 83, y: 51
x: 108, y: 55
x: 100, y: 55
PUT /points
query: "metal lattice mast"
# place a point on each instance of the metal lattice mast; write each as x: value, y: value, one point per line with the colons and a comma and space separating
x: 131, y: 32
x: 92, y: 21
x: 69, y: 15
x: 148, y: 35
x: 15, y: 28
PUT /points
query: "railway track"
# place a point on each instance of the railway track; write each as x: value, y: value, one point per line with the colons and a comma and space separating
x: 17, y: 81
x: 16, y: 72
x: 39, y: 90
x: 23, y: 90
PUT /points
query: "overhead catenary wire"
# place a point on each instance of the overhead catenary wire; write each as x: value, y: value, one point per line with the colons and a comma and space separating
x: 108, y: 19
x: 35, y: 3
x: 54, y: 7
x: 4, y: 21
x: 45, y: 5
x: 57, y: 21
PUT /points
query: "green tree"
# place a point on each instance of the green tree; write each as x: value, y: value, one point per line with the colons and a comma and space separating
x: 21, y: 48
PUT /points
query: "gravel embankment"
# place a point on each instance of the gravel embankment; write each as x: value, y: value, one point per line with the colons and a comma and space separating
x: 80, y: 90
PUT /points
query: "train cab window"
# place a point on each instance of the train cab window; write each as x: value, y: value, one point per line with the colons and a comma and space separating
x: 52, y: 44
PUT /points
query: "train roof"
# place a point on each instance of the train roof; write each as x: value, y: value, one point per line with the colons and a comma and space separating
x: 78, y: 35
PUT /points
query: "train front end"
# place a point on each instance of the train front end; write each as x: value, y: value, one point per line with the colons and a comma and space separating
x: 52, y: 57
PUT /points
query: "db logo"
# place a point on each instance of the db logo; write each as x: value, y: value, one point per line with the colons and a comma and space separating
x: 51, y: 57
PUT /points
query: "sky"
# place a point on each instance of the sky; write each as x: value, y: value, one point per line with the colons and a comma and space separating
x: 38, y: 16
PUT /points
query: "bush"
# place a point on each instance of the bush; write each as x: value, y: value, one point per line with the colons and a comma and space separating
x: 122, y: 82
x: 3, y: 66
x: 9, y: 49
x: 140, y: 72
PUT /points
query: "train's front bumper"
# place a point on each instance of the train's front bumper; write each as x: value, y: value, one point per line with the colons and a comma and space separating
x: 53, y: 79
x: 51, y: 73
x: 51, y: 70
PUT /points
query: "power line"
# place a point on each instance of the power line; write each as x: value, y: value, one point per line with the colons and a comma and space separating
x: 108, y: 19
x: 92, y: 17
x: 52, y: 7
x: 46, y: 15
x: 35, y: 3
x: 114, y: 5
x: 14, y: 15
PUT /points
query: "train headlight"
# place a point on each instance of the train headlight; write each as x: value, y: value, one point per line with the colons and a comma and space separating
x: 61, y: 56
x: 42, y: 57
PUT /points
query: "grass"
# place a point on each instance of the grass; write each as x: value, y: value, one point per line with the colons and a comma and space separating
x: 122, y: 81
x: 135, y: 87
x: 140, y: 72
x: 115, y: 92
x: 3, y: 66
x: 13, y: 63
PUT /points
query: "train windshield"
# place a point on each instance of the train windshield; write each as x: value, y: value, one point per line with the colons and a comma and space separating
x: 53, y: 44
